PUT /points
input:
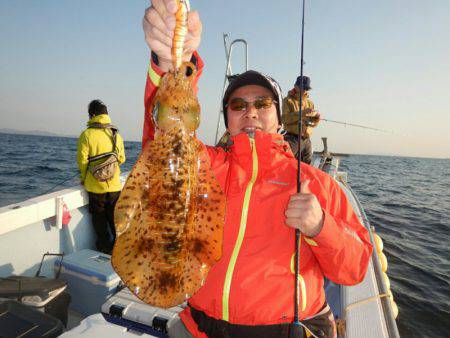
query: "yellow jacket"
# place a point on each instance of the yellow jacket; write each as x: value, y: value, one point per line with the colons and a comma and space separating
x: 289, y: 118
x: 93, y: 142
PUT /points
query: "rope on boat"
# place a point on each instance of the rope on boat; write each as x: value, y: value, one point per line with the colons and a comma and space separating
x: 341, y: 322
x: 364, y: 301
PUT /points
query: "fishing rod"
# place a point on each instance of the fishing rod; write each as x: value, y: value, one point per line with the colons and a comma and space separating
x: 355, y: 125
x: 297, y: 328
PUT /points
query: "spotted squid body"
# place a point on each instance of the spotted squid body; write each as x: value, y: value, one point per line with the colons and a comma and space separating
x: 170, y: 215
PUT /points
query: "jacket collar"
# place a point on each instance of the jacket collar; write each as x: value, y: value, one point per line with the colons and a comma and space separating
x: 265, y: 143
x: 295, y: 93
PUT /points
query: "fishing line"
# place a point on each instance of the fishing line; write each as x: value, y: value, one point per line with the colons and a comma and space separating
x: 356, y: 125
x: 60, y: 183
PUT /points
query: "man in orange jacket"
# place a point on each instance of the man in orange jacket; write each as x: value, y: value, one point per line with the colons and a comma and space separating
x: 249, y: 292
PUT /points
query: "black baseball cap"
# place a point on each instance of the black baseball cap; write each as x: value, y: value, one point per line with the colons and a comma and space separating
x: 306, y: 82
x: 252, y: 77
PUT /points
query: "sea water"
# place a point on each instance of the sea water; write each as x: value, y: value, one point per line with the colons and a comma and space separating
x: 406, y: 199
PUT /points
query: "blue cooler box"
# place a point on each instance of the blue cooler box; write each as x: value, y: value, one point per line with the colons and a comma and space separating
x: 90, y: 280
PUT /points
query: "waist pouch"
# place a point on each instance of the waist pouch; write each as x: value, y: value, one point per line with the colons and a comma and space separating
x: 105, y: 170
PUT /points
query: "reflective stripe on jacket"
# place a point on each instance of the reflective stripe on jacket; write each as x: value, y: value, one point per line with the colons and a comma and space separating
x: 93, y: 142
x: 253, y: 282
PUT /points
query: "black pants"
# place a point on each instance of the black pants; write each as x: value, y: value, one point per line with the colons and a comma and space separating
x: 306, y: 149
x: 101, y: 207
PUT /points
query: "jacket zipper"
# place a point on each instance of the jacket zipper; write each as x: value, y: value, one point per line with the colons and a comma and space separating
x: 240, y: 238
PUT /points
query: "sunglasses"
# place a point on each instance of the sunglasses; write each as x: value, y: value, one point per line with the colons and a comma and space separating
x: 259, y: 104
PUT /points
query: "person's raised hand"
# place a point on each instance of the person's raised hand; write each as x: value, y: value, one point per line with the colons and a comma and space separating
x: 159, y: 25
x: 304, y: 212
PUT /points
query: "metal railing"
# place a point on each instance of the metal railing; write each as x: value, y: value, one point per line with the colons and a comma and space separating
x: 229, y: 72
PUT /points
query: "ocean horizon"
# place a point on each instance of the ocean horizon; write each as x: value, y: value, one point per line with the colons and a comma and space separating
x: 51, y: 134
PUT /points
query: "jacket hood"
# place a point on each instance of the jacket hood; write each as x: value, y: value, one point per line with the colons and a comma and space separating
x: 103, y: 118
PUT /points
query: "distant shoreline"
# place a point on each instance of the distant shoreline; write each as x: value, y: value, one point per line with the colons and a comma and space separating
x: 32, y: 132
x: 41, y: 133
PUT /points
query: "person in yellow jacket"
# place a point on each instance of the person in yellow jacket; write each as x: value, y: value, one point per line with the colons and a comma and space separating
x: 100, y: 151
x: 311, y: 118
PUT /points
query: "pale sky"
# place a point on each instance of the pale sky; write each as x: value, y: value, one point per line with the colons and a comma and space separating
x: 384, y: 64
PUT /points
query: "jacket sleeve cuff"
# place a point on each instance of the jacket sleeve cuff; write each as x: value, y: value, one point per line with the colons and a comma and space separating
x: 197, y: 61
x: 154, y: 72
x: 327, y: 236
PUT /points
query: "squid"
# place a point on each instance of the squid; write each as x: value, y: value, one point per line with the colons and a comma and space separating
x: 170, y: 215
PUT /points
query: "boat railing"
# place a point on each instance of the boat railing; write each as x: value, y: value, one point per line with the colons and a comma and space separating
x: 391, y: 324
x: 33, y: 227
x: 374, y: 311
x: 36, y: 209
x: 229, y: 72
x: 18, y: 215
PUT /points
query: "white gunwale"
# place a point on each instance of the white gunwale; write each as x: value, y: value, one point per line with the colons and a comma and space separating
x: 18, y: 215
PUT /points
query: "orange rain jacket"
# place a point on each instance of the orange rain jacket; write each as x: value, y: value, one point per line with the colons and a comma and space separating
x: 253, y: 282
